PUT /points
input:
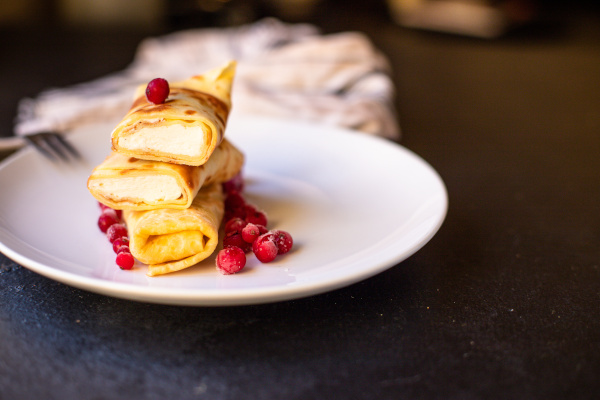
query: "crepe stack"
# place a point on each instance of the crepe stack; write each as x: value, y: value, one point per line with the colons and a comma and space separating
x: 165, y: 171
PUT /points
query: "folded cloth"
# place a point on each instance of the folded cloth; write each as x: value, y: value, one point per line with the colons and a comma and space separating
x: 284, y: 70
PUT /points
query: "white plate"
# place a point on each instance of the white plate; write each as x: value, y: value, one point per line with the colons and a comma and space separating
x: 354, y: 204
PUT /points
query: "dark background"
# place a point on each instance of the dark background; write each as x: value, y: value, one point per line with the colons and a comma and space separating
x: 503, y: 303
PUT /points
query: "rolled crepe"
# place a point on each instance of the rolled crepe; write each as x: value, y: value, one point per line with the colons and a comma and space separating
x: 170, y: 240
x: 186, y: 128
x: 127, y: 183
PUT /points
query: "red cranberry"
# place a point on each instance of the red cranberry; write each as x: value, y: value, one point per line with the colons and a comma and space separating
x: 120, y: 242
x: 239, y: 212
x: 107, y: 219
x: 264, y: 248
x: 262, y: 229
x: 157, y: 91
x: 104, y: 207
x: 235, y: 224
x: 250, y: 208
x: 283, y: 240
x: 230, y: 260
x: 234, y: 200
x: 263, y: 237
x: 256, y: 217
x: 235, y: 184
x: 250, y: 233
x: 116, y: 231
x: 125, y: 260
x: 124, y: 248
x: 234, y: 239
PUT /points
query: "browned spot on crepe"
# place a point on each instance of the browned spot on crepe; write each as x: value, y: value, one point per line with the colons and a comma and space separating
x: 190, y: 175
x: 221, y: 120
x: 154, y: 108
x: 220, y: 107
x: 140, y: 101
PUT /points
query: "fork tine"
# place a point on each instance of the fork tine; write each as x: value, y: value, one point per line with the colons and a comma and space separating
x: 53, y: 145
x: 39, y: 145
x: 67, y: 145
x: 52, y: 142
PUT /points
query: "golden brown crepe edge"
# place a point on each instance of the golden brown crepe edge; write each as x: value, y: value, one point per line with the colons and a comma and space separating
x: 190, y: 178
x: 189, y: 186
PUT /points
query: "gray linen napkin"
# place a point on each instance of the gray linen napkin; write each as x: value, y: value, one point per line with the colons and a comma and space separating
x: 284, y: 70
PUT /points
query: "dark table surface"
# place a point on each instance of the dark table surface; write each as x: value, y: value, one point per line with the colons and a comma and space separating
x: 503, y: 303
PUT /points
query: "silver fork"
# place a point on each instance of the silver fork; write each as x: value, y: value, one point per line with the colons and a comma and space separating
x: 54, y: 146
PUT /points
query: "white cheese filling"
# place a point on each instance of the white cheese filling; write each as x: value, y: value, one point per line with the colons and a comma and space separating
x: 172, y: 139
x: 148, y: 189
